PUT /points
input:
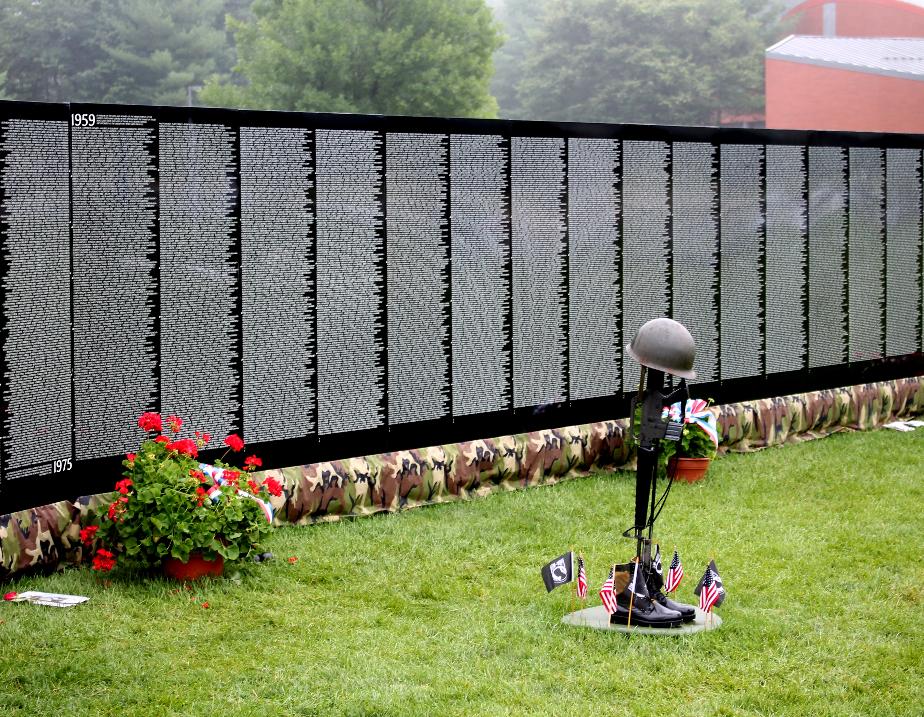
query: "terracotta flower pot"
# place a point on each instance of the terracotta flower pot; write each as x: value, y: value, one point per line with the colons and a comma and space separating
x: 687, y: 469
x: 194, y: 568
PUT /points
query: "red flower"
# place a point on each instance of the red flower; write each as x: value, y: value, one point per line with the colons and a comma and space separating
x: 186, y: 445
x: 123, y: 485
x: 103, y: 561
x: 162, y: 439
x: 251, y: 462
x: 87, y: 534
x: 175, y: 422
x: 9, y: 596
x: 115, y: 510
x: 198, y: 475
x: 130, y: 457
x: 205, y: 605
x: 293, y: 559
x: 273, y: 486
x: 235, y: 443
x: 254, y: 486
x: 232, y: 476
x: 200, y: 494
x: 150, y: 421
x: 206, y: 437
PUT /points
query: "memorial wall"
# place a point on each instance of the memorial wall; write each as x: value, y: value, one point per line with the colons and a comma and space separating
x: 329, y: 285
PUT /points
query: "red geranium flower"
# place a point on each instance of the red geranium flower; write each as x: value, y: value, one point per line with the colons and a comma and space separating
x: 103, y: 561
x: 130, y: 457
x: 87, y: 534
x: 273, y: 486
x: 235, y: 443
x: 254, y: 486
x: 123, y: 485
x: 162, y: 439
x: 198, y: 475
x: 150, y: 421
x: 231, y: 476
x: 187, y: 446
x: 175, y: 422
x: 293, y: 559
x: 251, y: 462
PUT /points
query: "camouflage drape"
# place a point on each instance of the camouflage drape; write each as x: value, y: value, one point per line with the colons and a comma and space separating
x: 47, y: 537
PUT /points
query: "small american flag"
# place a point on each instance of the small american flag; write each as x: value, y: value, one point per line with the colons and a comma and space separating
x: 674, y: 574
x: 709, y: 593
x: 581, y: 579
x: 606, y: 593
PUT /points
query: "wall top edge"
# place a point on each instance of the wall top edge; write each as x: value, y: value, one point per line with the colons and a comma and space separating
x: 466, y: 125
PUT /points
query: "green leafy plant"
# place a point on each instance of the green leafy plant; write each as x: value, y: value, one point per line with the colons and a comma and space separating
x: 168, y: 504
x: 695, y: 441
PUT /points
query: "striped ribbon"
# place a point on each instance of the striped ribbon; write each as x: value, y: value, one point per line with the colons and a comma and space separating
x: 217, y: 475
x: 697, y: 412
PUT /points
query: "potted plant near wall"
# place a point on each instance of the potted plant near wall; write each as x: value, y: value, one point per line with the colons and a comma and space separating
x: 172, y: 512
x: 688, y: 459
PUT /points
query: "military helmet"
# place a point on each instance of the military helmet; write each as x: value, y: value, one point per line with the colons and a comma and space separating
x: 664, y: 345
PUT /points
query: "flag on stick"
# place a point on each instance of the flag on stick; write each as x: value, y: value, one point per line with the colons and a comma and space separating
x: 581, y: 579
x: 559, y: 571
x: 718, y: 582
x: 656, y: 562
x: 674, y: 574
x: 709, y: 594
x: 606, y: 592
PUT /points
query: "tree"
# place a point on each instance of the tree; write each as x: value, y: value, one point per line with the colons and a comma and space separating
x: 520, y: 20
x: 157, y: 51
x: 653, y: 61
x: 430, y: 57
x: 48, y: 50
x: 143, y: 51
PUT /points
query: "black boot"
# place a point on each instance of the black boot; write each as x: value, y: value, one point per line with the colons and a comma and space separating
x: 655, y: 584
x: 645, y: 611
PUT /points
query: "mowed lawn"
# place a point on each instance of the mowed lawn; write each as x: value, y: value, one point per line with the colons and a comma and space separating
x: 442, y: 611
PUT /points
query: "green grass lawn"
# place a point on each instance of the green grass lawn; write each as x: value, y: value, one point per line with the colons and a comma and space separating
x: 442, y: 611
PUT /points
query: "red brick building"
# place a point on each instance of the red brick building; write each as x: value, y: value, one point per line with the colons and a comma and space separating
x: 839, y: 83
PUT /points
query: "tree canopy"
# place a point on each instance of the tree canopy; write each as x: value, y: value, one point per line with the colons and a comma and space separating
x: 142, y: 51
x: 421, y: 57
x: 656, y: 61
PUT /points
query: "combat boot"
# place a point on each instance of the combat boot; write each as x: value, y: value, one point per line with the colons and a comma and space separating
x: 654, y: 582
x: 645, y: 612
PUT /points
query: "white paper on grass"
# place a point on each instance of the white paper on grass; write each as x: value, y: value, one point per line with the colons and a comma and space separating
x: 50, y: 599
x: 904, y: 425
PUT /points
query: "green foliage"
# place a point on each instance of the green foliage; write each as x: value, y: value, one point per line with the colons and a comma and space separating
x: 158, y: 49
x: 694, y: 442
x: 422, y: 57
x: 161, y: 510
x: 442, y: 611
x: 129, y: 51
x: 653, y: 61
x: 520, y: 20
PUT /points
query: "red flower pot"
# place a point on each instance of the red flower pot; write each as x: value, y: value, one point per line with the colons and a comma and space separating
x: 194, y: 568
x: 689, y: 470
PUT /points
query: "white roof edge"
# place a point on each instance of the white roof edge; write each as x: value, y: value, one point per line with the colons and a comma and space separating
x: 777, y: 44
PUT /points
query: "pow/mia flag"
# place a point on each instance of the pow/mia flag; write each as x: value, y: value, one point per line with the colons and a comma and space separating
x: 716, y: 579
x: 559, y: 571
